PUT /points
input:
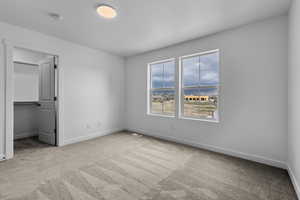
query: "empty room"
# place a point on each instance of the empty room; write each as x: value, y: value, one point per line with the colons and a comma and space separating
x: 149, y: 100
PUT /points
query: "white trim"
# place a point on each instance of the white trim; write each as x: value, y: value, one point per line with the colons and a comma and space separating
x: 160, y: 115
x: 177, y: 92
x: 230, y: 152
x: 9, y: 84
x: 162, y: 61
x: 91, y: 136
x: 2, y: 106
x: 294, y: 181
x: 59, y: 101
x: 25, y: 134
x: 200, y: 119
x: 200, y: 53
x: 148, y: 84
x: 179, y: 88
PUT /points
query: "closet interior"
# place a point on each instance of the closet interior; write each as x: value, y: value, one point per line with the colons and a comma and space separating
x: 35, y: 98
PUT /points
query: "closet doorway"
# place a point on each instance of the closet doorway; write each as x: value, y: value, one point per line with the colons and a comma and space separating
x: 34, y: 99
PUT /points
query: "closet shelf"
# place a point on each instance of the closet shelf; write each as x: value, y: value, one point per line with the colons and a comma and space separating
x: 26, y: 103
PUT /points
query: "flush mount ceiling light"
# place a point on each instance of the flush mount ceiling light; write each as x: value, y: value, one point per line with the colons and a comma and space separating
x: 55, y: 16
x: 106, y: 11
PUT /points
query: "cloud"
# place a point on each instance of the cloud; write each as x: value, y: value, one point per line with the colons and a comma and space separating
x: 209, y: 76
x: 163, y: 75
x: 203, y: 70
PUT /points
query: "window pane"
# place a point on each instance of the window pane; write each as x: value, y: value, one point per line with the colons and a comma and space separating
x: 169, y: 74
x: 157, y: 76
x: 201, y: 70
x: 209, y: 69
x: 200, y: 102
x: 191, y: 71
x: 163, y: 102
x: 162, y: 97
x: 200, y: 86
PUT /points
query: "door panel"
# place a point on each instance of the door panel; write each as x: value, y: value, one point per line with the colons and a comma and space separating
x: 47, y: 80
x: 46, y: 123
x: 47, y: 112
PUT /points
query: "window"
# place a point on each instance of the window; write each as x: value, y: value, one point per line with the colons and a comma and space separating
x: 162, y: 88
x: 198, y: 91
x: 200, y: 80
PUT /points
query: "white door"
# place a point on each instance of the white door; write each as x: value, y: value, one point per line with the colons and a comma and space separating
x: 46, y: 111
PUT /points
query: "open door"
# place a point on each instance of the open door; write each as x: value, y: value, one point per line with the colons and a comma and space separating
x: 47, y: 111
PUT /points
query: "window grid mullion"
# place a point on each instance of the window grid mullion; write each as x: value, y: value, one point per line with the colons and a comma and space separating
x: 199, y: 70
x: 163, y: 81
x: 162, y: 89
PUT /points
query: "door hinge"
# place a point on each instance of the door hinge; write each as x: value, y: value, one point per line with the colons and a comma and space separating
x: 55, y: 66
x: 54, y: 98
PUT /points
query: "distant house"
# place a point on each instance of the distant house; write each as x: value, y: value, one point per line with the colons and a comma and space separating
x: 193, y: 98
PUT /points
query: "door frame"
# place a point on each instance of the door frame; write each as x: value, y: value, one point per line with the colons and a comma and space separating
x: 8, y: 47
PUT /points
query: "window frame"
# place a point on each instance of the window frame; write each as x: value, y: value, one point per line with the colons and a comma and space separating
x: 181, y: 89
x: 150, y: 89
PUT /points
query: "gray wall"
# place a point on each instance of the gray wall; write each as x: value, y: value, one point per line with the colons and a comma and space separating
x: 294, y: 94
x: 253, y: 96
x: 25, y: 121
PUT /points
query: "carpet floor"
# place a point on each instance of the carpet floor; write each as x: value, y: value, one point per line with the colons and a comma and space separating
x: 122, y: 166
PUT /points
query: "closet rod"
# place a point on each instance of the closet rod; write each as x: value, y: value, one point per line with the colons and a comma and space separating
x: 25, y: 63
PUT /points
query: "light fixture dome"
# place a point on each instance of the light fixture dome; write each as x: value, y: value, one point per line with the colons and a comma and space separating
x: 106, y: 11
x: 55, y: 16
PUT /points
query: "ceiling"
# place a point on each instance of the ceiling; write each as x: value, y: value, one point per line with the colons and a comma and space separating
x: 141, y: 25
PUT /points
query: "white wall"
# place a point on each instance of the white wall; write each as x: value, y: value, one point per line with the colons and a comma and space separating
x: 91, y: 84
x: 26, y: 82
x: 25, y: 121
x: 253, y: 97
x: 294, y: 94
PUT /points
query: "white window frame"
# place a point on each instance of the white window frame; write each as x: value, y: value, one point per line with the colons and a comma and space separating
x: 149, y: 88
x: 181, y: 88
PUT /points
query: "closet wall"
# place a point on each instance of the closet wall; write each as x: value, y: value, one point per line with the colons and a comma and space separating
x: 25, y: 120
x: 26, y: 82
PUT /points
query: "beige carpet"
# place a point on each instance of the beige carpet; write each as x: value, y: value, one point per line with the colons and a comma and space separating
x: 126, y: 167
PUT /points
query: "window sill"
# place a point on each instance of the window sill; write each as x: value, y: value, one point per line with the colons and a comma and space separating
x: 183, y: 118
x: 163, y: 116
x: 199, y: 119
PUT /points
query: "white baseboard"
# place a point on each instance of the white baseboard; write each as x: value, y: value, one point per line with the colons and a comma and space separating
x: 91, y: 136
x: 230, y: 152
x: 25, y: 134
x: 294, y: 181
